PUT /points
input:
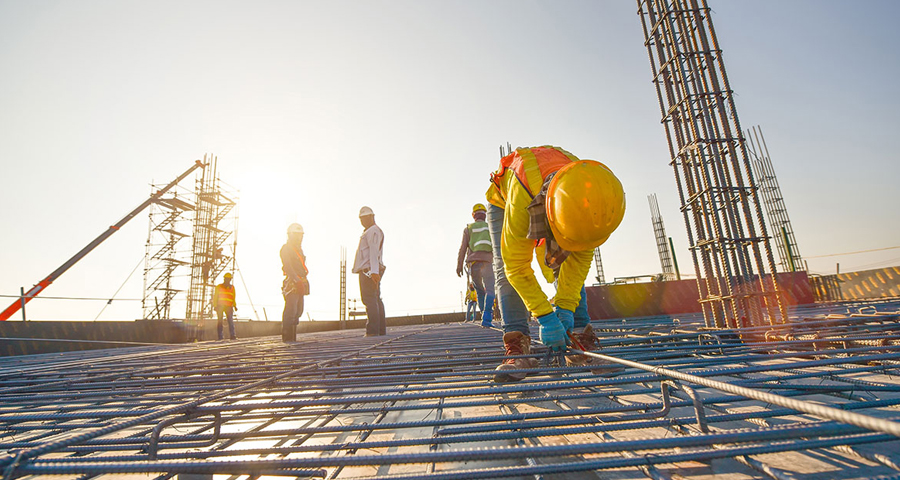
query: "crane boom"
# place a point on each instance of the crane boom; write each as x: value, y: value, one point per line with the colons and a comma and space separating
x: 40, y: 286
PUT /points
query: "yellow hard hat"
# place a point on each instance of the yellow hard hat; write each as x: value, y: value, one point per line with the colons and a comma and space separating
x: 479, y: 207
x: 228, y: 275
x: 585, y: 204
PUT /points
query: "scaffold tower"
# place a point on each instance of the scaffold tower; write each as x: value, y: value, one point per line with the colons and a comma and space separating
x: 167, y: 258
x: 662, y: 241
x: 782, y: 232
x: 213, y: 242
x: 726, y: 230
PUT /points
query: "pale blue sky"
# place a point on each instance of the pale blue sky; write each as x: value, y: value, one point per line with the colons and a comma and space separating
x: 317, y: 108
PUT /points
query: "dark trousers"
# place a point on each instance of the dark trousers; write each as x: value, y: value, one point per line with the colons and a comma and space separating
x: 226, y: 312
x: 293, y: 308
x: 371, y: 298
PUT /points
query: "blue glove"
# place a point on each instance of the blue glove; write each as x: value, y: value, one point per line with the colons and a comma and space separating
x: 566, y: 317
x: 552, y: 333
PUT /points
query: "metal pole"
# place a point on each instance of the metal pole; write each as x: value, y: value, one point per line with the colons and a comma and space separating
x: 22, y: 299
x: 674, y: 260
x: 787, y: 247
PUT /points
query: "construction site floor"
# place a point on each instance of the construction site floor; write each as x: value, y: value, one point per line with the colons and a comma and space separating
x: 421, y: 403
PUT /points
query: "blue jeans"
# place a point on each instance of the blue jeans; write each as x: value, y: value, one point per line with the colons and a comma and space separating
x: 482, y: 274
x: 581, y: 312
x: 470, y: 311
x: 228, y: 313
x: 370, y: 292
x: 293, y: 309
x: 512, y: 308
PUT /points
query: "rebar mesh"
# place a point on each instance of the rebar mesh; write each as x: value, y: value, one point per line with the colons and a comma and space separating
x: 421, y: 403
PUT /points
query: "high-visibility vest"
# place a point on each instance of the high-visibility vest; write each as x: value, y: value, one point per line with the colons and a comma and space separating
x: 479, y: 237
x: 224, y: 295
x: 530, y: 166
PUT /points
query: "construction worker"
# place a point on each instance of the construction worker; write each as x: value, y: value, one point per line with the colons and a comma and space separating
x: 471, y: 302
x: 295, y: 285
x: 368, y: 264
x: 476, y: 251
x: 547, y: 194
x: 224, y: 302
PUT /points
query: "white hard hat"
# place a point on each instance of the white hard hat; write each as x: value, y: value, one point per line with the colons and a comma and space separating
x: 365, y: 211
x: 295, y: 228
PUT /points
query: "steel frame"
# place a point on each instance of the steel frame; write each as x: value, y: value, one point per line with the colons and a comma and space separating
x: 421, y: 403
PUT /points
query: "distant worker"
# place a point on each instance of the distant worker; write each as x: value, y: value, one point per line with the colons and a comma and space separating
x: 475, y: 250
x: 368, y: 264
x: 224, y: 302
x: 546, y: 193
x: 295, y: 285
x: 471, y: 302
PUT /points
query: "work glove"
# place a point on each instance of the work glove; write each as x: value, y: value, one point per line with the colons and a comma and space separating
x: 567, y: 318
x: 552, y: 333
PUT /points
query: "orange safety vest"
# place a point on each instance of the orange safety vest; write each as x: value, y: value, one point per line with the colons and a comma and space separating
x: 530, y: 166
x: 224, y: 295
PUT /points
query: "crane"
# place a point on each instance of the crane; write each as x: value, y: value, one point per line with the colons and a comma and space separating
x: 40, y: 286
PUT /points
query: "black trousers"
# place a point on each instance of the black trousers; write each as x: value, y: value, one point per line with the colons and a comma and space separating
x: 371, y: 298
x: 293, y: 308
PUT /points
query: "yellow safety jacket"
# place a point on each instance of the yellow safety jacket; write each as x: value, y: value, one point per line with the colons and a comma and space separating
x: 513, y: 187
x: 223, y: 296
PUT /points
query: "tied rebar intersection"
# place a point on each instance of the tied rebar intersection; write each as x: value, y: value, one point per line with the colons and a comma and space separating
x: 762, y: 402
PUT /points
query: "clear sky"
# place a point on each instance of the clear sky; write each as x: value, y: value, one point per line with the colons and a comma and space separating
x: 317, y: 108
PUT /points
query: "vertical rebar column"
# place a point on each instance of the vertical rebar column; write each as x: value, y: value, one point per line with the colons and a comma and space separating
x: 725, y: 226
x: 779, y: 222
x: 662, y: 243
x: 598, y: 265
x: 342, y: 316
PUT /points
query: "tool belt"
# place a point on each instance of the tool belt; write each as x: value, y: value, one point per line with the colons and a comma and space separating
x: 288, y: 286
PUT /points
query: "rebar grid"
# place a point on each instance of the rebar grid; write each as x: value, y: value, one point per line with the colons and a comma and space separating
x: 726, y: 230
x: 421, y: 403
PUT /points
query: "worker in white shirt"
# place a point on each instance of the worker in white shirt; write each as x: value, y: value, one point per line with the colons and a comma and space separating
x: 370, y: 268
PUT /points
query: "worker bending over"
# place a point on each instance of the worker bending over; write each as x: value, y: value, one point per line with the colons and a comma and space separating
x: 475, y: 250
x: 547, y: 194
x: 224, y: 302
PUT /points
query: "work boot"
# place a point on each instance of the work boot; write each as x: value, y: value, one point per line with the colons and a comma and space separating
x: 589, y: 341
x: 516, y: 343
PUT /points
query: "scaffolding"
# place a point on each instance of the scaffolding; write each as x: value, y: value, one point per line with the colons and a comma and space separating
x: 782, y: 232
x: 214, y: 226
x: 725, y: 226
x: 662, y: 241
x: 165, y: 258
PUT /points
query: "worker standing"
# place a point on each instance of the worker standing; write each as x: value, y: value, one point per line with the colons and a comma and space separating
x: 368, y: 264
x: 546, y: 193
x: 224, y: 303
x: 475, y: 251
x: 471, y: 302
x: 295, y: 285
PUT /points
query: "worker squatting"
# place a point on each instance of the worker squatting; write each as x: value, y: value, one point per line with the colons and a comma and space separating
x: 541, y: 200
